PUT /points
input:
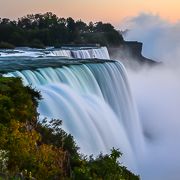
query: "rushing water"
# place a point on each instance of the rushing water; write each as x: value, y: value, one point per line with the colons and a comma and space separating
x: 91, y: 96
x: 95, y: 104
x: 78, y: 53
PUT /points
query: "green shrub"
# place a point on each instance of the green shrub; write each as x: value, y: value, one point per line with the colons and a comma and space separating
x: 36, y: 43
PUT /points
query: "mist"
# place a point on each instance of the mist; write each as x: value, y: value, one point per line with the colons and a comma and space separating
x: 157, y: 95
x: 161, y: 38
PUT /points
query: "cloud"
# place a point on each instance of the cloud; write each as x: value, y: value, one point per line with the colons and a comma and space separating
x: 161, y: 38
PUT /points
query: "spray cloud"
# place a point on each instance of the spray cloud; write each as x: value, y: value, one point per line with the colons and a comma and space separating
x: 157, y: 94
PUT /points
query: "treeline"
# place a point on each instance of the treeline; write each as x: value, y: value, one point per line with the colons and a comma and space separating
x: 33, y: 150
x: 40, y: 30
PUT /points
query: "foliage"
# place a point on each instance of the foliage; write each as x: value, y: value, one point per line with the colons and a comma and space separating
x: 103, y: 167
x: 31, y: 149
x: 40, y: 30
x: 19, y: 138
x: 52, y: 133
x: 3, y: 160
x: 5, y: 45
x: 36, y: 43
x: 17, y: 102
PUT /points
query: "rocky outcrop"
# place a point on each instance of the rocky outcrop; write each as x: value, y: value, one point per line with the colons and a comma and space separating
x: 130, y: 53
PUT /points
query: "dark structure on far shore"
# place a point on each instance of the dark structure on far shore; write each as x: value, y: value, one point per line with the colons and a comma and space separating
x: 130, y: 52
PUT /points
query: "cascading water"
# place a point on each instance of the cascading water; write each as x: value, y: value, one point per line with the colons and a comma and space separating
x: 82, y: 53
x: 99, y: 53
x: 95, y: 104
x: 61, y: 52
x: 78, y: 53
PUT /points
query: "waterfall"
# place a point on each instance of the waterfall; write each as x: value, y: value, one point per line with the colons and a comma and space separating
x: 99, y: 53
x: 82, y: 53
x: 95, y: 104
x: 91, y: 96
x: 61, y: 52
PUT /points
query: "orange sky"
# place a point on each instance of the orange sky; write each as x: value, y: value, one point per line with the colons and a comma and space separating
x: 112, y: 11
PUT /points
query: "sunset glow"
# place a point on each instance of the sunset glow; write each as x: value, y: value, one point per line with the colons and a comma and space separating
x: 113, y: 11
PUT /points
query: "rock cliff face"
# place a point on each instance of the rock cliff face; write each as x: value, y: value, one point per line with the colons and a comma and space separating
x: 130, y: 53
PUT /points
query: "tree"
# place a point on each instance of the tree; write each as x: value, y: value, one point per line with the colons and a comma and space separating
x: 103, y: 167
x: 25, y: 151
x: 39, y: 30
x: 81, y: 26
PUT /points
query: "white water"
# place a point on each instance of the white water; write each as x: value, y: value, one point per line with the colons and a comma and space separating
x: 88, y: 53
x: 61, y: 52
x: 19, y: 53
x: 99, y: 53
x: 77, y: 53
x: 95, y: 104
